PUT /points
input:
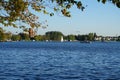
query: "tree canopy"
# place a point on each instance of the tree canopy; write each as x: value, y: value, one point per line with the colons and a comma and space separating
x: 13, y: 11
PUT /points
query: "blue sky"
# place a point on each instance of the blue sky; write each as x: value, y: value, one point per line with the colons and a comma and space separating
x: 97, y: 17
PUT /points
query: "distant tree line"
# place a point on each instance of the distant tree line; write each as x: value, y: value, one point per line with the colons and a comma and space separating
x: 87, y: 37
x: 53, y: 35
x: 49, y: 36
x: 118, y: 38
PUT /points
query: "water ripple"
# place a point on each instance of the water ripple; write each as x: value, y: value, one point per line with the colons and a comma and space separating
x: 59, y: 61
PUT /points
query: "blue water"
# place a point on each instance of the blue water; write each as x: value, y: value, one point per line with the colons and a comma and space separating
x: 59, y: 61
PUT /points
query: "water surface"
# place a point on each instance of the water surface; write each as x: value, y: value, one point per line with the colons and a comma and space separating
x: 59, y: 61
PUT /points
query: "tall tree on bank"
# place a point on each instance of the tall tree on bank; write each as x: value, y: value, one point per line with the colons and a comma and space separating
x: 13, y: 11
x: 53, y: 35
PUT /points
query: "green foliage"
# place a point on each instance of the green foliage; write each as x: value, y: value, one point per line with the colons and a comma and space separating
x: 54, y: 35
x: 116, y: 2
x: 89, y: 37
x: 16, y: 38
x: 12, y: 11
x: 71, y: 37
x: 118, y: 38
x: 82, y: 37
x: 8, y: 36
x: 38, y: 38
x: 2, y: 36
x: 19, y: 10
x: 24, y: 36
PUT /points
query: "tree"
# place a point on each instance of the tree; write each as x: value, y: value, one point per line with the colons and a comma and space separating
x: 54, y: 35
x: 82, y: 37
x: 24, y: 36
x: 2, y: 35
x: 8, y: 36
x: 13, y: 11
x: 38, y: 38
x: 15, y: 38
x: 71, y: 37
x: 115, y: 2
x: 91, y: 36
x: 118, y: 38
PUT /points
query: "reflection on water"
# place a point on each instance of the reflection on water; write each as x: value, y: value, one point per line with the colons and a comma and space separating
x: 59, y: 61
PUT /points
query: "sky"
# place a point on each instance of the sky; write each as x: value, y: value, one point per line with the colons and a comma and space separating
x: 102, y: 19
x: 99, y: 18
